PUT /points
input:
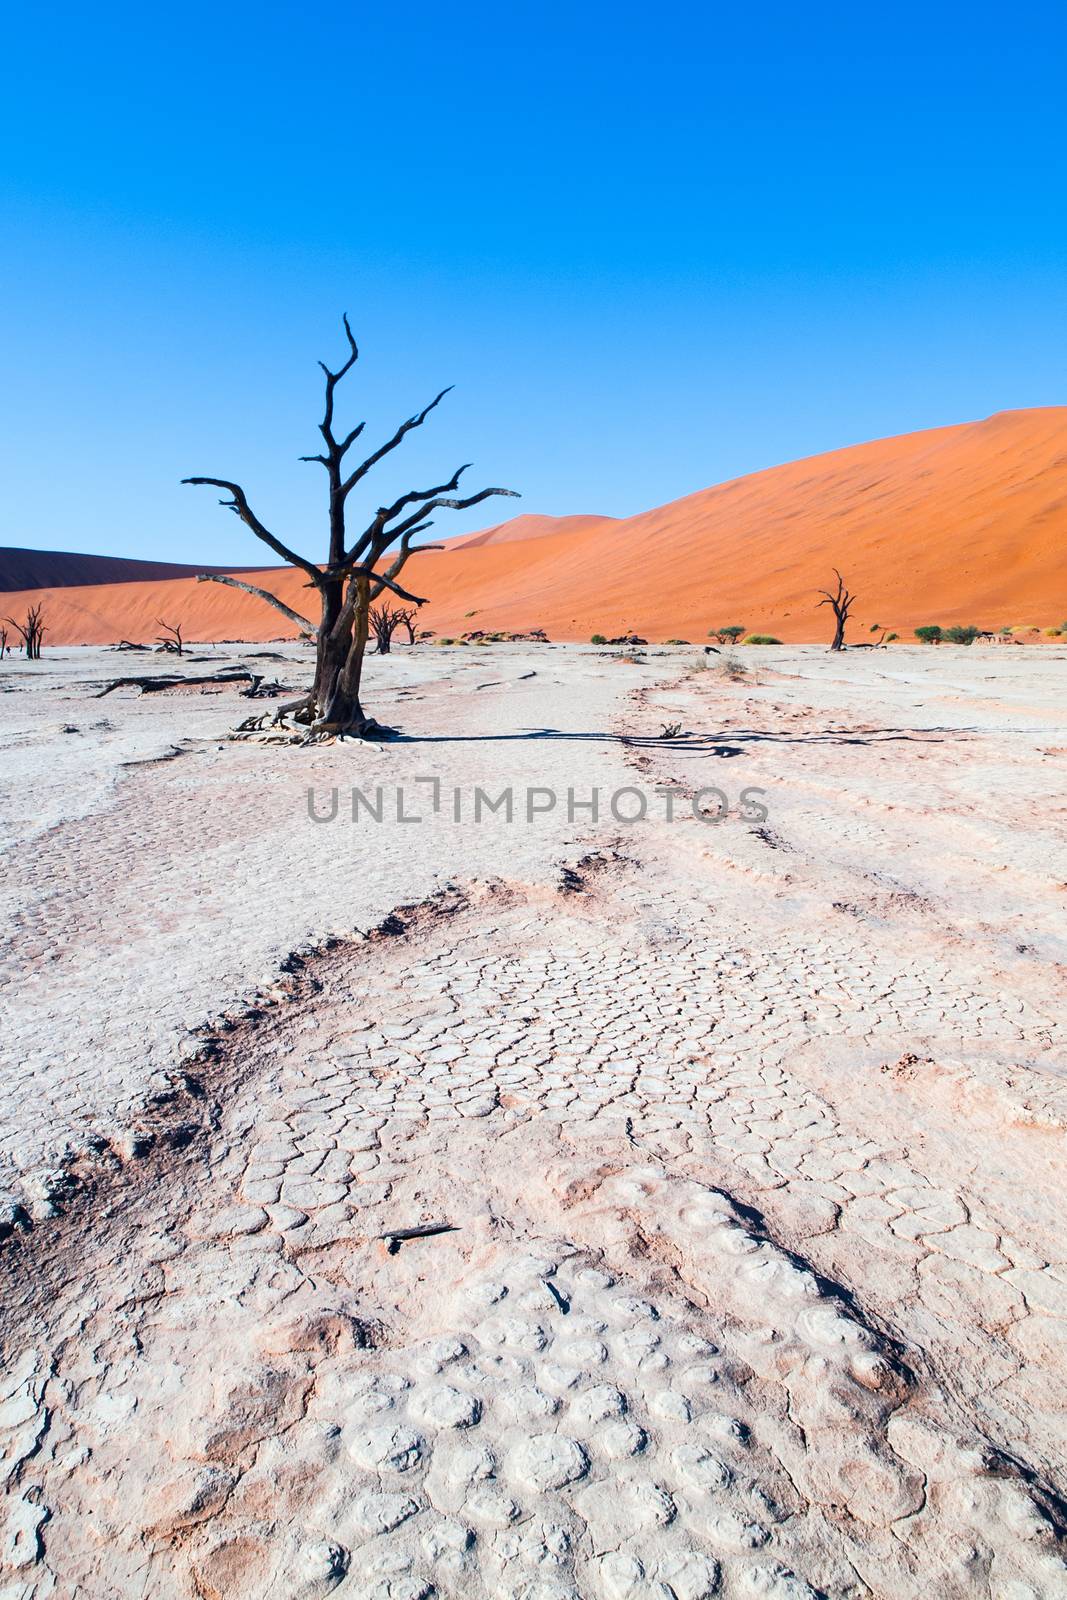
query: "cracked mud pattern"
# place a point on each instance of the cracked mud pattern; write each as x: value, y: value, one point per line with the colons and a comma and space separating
x: 746, y: 1274
x: 613, y: 1376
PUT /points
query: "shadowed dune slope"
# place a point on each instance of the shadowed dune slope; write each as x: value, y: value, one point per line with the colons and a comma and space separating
x: 959, y: 524
x: 61, y: 569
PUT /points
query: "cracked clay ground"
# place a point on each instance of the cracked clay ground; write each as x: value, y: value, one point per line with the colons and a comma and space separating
x: 742, y: 1144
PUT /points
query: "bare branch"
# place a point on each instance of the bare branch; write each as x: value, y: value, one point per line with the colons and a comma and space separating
x: 332, y: 380
x: 384, y: 579
x: 302, y: 623
x: 387, y: 513
x: 239, y: 505
x: 841, y: 602
x: 440, y: 502
x: 174, y: 643
x: 391, y: 444
x: 160, y: 682
x: 377, y: 538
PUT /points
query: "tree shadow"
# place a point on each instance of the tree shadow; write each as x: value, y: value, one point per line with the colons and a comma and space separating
x: 700, y: 744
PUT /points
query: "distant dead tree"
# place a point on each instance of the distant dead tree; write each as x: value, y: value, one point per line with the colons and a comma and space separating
x: 353, y: 576
x: 31, y: 632
x: 386, y: 619
x: 3, y: 642
x: 841, y: 602
x: 172, y: 644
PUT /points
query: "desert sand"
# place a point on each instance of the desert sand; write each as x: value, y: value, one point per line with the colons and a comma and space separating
x: 747, y: 1135
x: 952, y: 525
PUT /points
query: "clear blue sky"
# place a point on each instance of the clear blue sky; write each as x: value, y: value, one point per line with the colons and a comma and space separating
x: 652, y: 246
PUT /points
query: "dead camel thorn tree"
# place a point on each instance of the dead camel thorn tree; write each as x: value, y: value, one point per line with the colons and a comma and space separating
x: 841, y: 602
x: 31, y: 632
x: 352, y: 578
x: 386, y: 619
x: 173, y: 644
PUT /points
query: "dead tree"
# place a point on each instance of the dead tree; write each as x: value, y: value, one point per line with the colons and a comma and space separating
x: 31, y: 632
x: 160, y: 682
x: 3, y: 642
x: 386, y: 619
x: 173, y: 644
x: 841, y: 602
x: 354, y: 575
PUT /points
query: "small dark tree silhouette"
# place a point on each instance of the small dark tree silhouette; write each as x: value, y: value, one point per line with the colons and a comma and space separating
x: 841, y: 602
x: 31, y: 631
x: 3, y: 642
x: 173, y: 644
x: 384, y: 621
x: 727, y: 635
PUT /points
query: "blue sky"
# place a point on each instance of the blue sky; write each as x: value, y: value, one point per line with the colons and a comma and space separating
x: 652, y: 247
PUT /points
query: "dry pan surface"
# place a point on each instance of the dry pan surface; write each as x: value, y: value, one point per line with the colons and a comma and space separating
x: 748, y: 1139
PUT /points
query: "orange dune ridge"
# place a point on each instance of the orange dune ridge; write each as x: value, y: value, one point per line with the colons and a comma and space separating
x: 962, y: 524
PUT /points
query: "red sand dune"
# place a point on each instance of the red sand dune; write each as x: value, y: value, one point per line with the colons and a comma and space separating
x: 529, y: 526
x: 959, y: 524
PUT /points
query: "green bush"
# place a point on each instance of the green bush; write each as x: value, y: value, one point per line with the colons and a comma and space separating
x: 598, y: 638
x: 931, y: 634
x: 761, y: 638
x: 1053, y: 633
x: 890, y: 638
x: 676, y: 641
x: 960, y: 634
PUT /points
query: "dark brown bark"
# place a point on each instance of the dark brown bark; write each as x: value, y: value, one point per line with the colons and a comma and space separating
x: 171, y: 645
x: 386, y: 619
x: 160, y: 681
x: 354, y: 574
x: 31, y: 632
x: 307, y: 628
x: 841, y: 602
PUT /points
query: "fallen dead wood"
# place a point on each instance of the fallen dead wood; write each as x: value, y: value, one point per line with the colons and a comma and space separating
x: 161, y: 681
x: 393, y: 1238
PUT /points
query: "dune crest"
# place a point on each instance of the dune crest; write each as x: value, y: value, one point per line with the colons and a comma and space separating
x: 956, y: 524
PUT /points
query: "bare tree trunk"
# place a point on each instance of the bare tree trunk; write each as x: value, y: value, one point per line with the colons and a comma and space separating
x: 31, y: 631
x: 340, y: 668
x: 841, y: 602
